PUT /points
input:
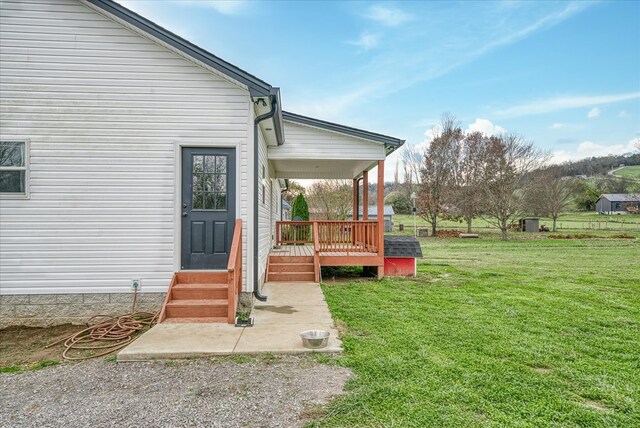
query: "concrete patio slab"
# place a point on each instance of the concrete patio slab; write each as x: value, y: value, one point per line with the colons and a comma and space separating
x: 284, y: 339
x: 171, y: 341
x: 291, y: 308
x: 286, y: 315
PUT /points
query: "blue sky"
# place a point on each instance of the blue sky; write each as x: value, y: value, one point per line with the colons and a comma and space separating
x: 565, y: 75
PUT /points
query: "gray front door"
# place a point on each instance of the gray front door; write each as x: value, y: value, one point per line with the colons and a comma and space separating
x: 208, y: 206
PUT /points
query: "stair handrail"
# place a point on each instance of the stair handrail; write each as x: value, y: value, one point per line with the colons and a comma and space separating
x: 234, y: 272
x: 316, y: 252
x: 167, y: 298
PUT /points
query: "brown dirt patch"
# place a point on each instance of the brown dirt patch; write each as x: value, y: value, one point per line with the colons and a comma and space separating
x: 542, y: 370
x: 313, y: 412
x: 23, y: 345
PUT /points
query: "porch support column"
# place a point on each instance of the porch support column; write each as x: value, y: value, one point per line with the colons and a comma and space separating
x: 365, y: 195
x: 381, y: 215
x: 354, y: 204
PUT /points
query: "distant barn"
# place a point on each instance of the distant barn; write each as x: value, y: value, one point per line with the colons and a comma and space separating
x: 617, y: 203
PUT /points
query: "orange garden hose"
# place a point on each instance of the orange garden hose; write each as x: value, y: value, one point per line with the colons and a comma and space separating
x: 109, y: 335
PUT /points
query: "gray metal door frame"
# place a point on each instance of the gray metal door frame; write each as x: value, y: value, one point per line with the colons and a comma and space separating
x: 208, y: 206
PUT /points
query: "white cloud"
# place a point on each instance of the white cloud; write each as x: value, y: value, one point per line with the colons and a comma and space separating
x: 432, y: 133
x: 587, y: 149
x: 555, y: 104
x: 558, y: 126
x: 366, y: 41
x: 542, y: 23
x: 486, y: 127
x: 388, y: 16
x: 594, y: 112
x: 414, y: 61
x: 623, y: 113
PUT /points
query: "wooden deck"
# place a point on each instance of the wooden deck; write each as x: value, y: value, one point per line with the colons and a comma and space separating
x: 305, y: 246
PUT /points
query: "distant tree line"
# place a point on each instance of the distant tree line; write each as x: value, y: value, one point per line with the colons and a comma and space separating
x: 502, y: 178
x: 596, y: 166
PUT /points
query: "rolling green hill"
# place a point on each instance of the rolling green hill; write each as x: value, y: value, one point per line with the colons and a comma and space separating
x: 629, y: 172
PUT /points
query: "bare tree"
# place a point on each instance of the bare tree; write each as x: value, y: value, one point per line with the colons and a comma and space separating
x: 466, y: 197
x: 412, y: 163
x: 549, y: 193
x: 509, y: 161
x: 396, y: 179
x: 292, y: 191
x: 331, y: 199
x: 439, y: 171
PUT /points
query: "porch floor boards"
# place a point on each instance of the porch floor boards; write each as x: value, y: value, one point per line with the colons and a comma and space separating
x: 293, y: 251
x: 307, y: 251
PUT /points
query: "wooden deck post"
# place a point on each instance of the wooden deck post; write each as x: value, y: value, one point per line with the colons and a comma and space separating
x: 354, y: 210
x: 354, y: 204
x: 380, y: 204
x: 365, y: 195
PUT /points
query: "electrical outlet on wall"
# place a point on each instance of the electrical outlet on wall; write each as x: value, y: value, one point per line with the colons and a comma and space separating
x: 135, y: 284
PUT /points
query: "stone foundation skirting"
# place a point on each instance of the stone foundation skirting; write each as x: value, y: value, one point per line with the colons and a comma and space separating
x: 45, y: 310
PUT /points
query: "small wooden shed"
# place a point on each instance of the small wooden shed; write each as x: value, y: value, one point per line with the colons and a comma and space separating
x: 531, y: 224
x: 400, y: 254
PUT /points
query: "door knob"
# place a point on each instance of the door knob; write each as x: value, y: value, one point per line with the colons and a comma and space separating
x: 184, y: 205
x: 184, y: 214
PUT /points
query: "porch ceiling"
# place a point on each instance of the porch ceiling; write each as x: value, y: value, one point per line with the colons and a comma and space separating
x: 321, y: 168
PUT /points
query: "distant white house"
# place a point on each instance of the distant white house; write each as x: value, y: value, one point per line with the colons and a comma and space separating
x: 286, y: 210
x: 617, y: 203
x: 130, y: 153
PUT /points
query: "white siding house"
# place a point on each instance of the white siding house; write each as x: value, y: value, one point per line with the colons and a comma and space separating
x: 104, y: 110
x: 97, y: 106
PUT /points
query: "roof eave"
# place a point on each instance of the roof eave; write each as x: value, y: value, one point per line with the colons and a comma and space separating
x: 278, y: 126
x: 390, y: 143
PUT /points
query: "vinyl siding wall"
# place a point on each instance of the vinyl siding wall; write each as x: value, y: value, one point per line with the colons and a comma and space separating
x: 104, y: 109
x: 306, y: 142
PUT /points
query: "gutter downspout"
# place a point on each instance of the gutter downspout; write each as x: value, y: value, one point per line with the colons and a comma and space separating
x: 256, y: 169
x: 286, y: 187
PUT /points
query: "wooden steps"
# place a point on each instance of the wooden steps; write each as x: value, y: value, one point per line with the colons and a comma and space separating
x: 197, y: 308
x: 200, y: 291
x: 195, y: 320
x: 197, y: 297
x: 291, y: 269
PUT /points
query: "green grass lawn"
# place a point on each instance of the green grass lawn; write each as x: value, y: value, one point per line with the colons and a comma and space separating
x: 629, y: 172
x: 527, y: 333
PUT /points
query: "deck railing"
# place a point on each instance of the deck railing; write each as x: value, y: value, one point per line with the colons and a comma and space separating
x: 294, y: 232
x: 350, y: 236
x: 234, y: 272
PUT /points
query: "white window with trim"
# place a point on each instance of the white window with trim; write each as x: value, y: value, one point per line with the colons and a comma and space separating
x: 14, y: 168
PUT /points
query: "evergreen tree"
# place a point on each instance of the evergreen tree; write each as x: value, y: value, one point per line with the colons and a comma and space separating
x: 300, y: 208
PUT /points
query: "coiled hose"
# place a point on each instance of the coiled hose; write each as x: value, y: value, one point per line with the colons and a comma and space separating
x: 111, y: 334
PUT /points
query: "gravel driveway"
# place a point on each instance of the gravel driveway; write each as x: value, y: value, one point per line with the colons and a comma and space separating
x: 198, y: 393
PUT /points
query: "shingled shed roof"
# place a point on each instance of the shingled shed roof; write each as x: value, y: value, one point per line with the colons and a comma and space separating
x: 620, y: 197
x: 401, y: 246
